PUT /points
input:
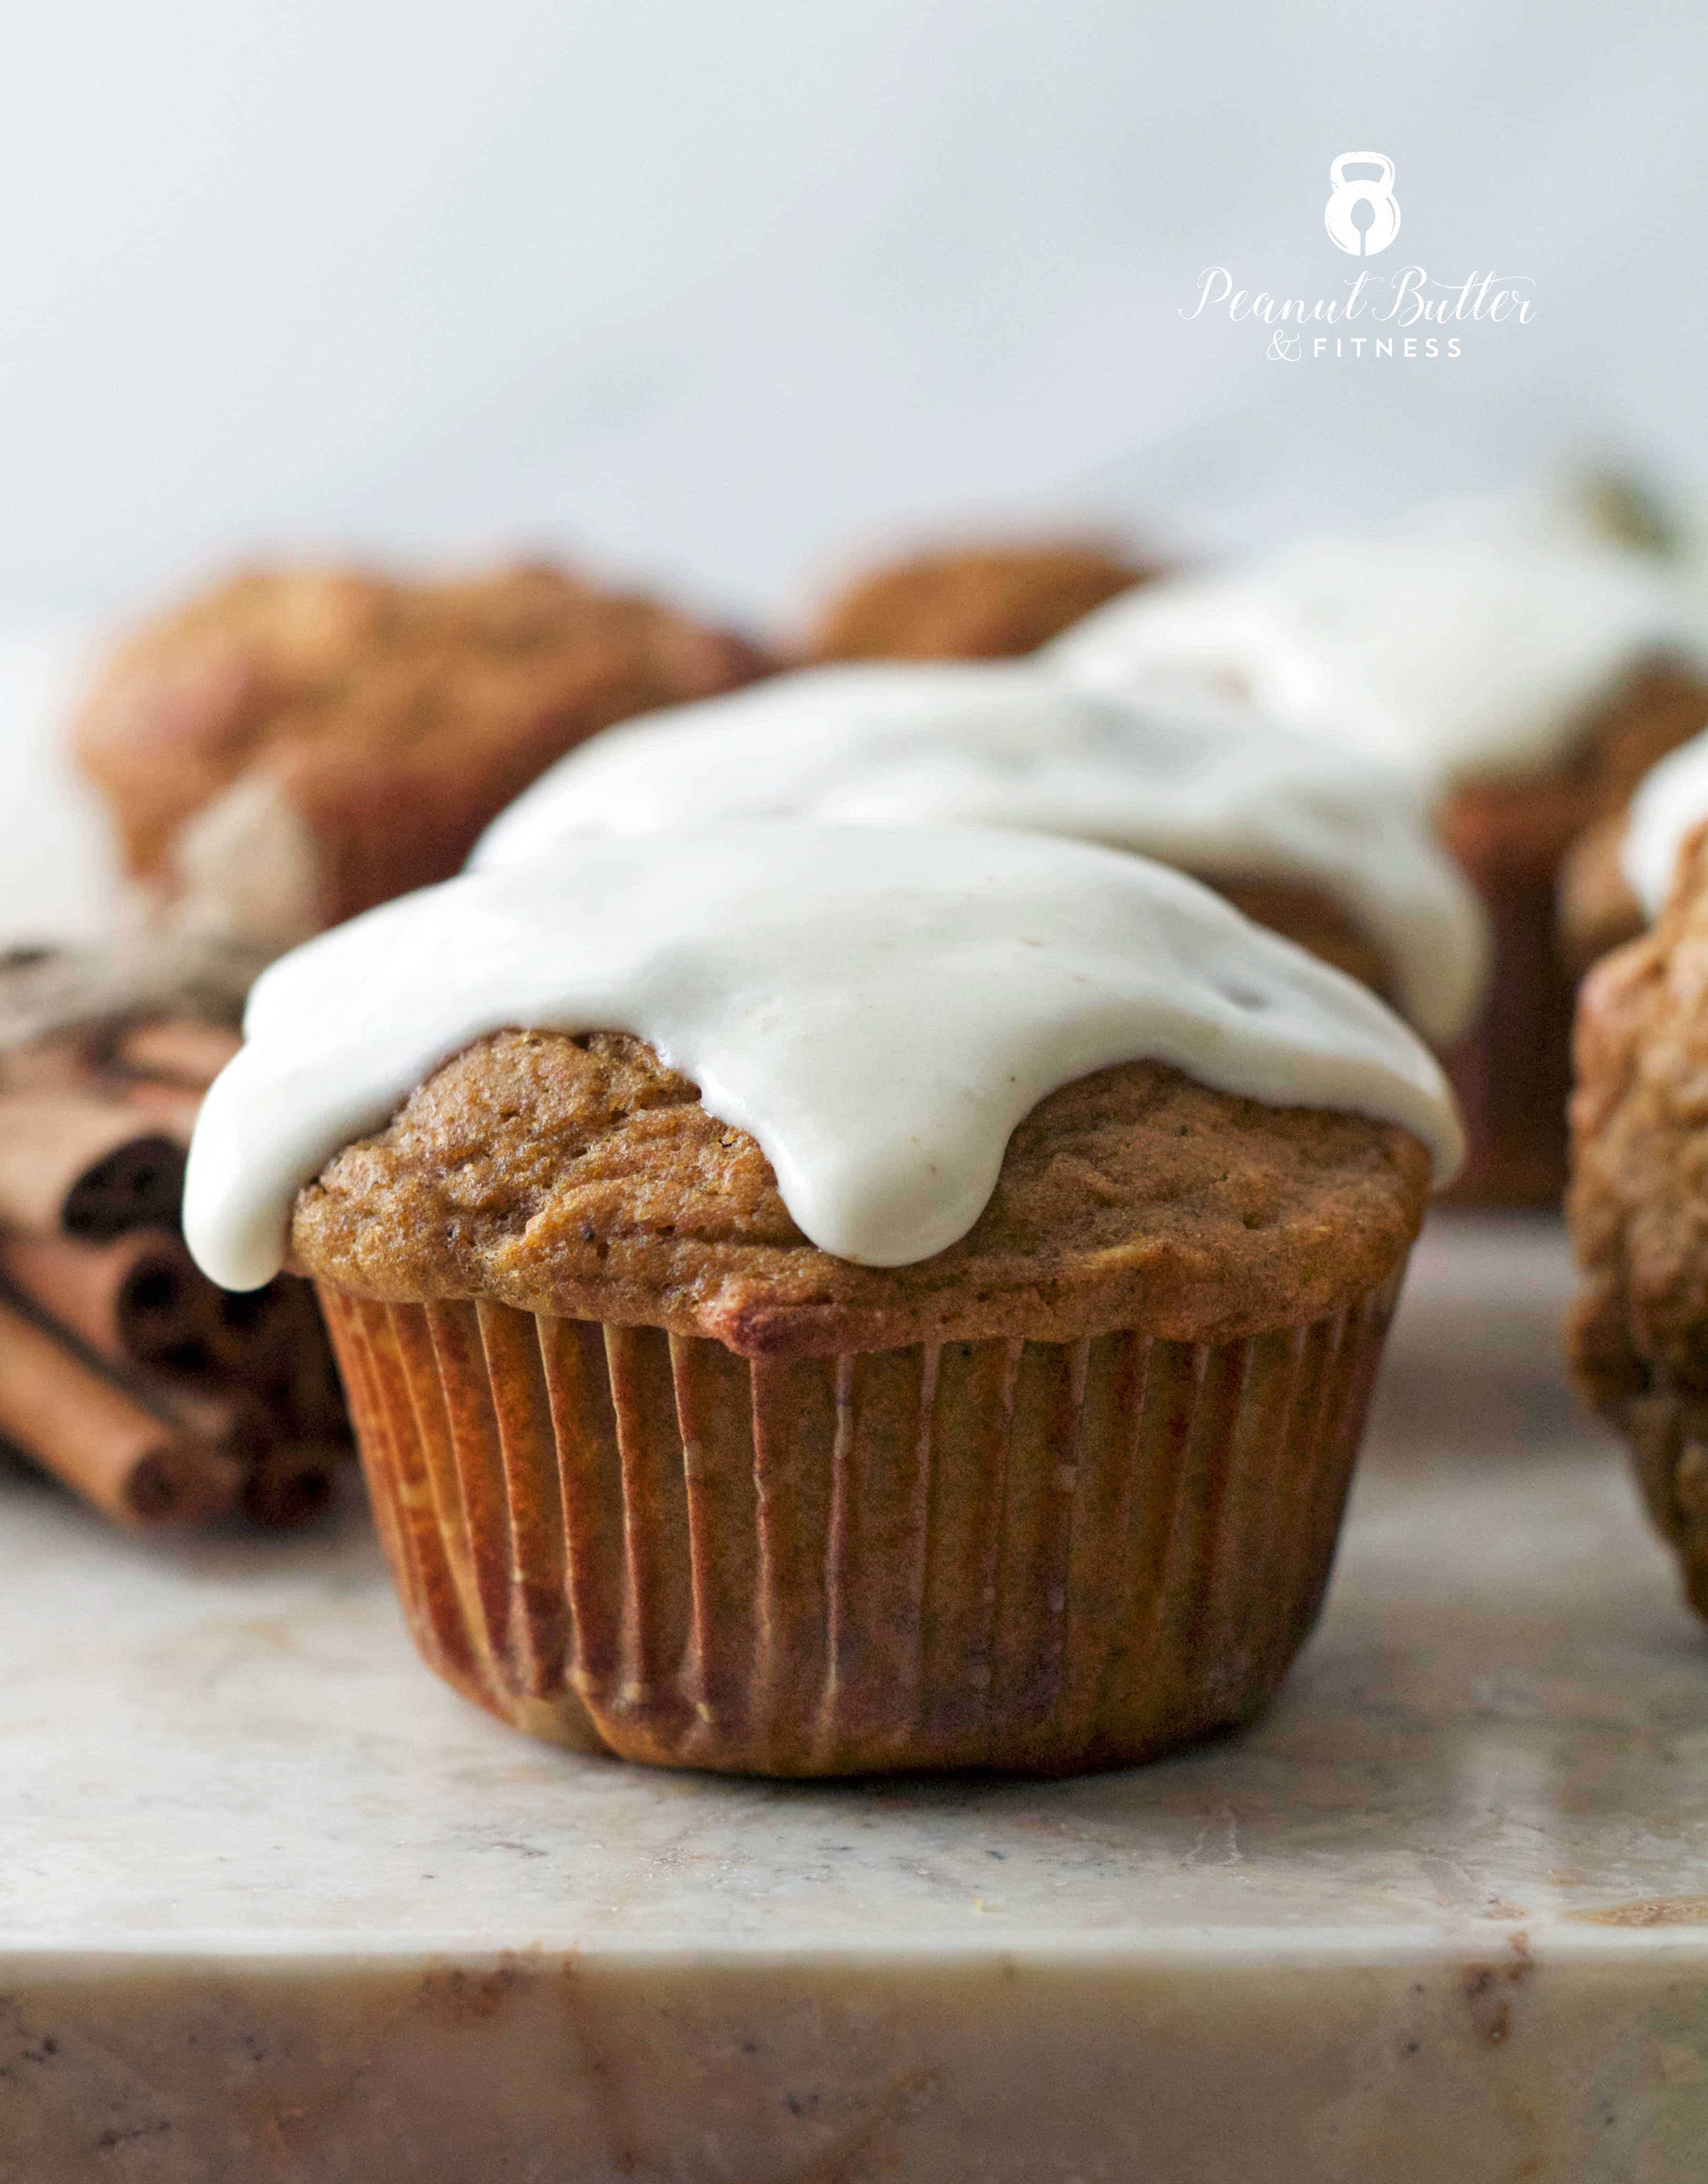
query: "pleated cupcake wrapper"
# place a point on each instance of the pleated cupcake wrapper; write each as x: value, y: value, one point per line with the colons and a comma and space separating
x: 999, y: 1554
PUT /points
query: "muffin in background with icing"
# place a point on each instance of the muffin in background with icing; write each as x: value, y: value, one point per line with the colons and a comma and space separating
x: 818, y: 1300
x: 1333, y: 852
x: 1526, y: 683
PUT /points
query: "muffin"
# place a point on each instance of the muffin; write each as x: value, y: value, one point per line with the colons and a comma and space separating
x: 1333, y: 852
x: 1525, y: 684
x: 1619, y: 874
x: 851, y: 1300
x: 295, y: 745
x: 1638, y: 1334
x: 981, y: 602
x: 1597, y: 907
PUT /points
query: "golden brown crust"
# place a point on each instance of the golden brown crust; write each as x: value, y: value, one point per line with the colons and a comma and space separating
x: 398, y: 718
x: 972, y: 602
x: 1638, y: 1334
x: 581, y: 1177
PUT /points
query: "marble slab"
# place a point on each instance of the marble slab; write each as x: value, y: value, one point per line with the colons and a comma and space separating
x: 274, y: 1905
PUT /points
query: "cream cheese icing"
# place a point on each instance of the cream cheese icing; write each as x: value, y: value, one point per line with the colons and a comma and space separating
x: 879, y: 1008
x: 1449, y: 650
x: 1671, y: 801
x: 1216, y: 793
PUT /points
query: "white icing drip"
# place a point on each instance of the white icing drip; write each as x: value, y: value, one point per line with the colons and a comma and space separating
x: 1219, y: 795
x: 1671, y: 801
x: 1449, y: 651
x: 878, y: 1008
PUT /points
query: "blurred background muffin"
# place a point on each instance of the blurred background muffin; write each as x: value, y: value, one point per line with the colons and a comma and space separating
x: 1525, y: 680
x: 1618, y: 874
x: 295, y: 745
x: 978, y: 601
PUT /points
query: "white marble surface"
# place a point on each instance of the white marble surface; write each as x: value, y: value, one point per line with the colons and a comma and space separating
x: 1444, y: 1912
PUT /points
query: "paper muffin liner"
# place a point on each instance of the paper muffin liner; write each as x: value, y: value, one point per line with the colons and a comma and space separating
x: 1030, y: 1556
x: 1511, y: 1073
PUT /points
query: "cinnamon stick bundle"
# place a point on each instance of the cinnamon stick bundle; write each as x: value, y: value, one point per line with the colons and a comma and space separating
x: 73, y: 1165
x: 178, y: 1051
x: 169, y: 1109
x: 141, y: 1470
x: 139, y: 1301
x: 137, y: 1381
x: 289, y: 1484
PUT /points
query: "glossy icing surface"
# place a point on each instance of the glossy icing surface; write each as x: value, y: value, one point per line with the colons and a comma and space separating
x: 1449, y: 650
x: 1214, y: 793
x: 878, y: 1007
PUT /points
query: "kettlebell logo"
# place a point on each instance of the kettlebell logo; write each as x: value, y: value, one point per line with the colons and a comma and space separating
x: 1362, y: 215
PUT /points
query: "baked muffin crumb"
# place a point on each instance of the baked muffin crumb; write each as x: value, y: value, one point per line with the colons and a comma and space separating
x: 581, y: 1177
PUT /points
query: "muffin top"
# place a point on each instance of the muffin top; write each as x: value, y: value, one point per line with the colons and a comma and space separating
x: 1220, y: 794
x: 977, y: 602
x: 1453, y: 651
x: 874, y: 1010
x: 288, y: 704
x: 580, y: 1176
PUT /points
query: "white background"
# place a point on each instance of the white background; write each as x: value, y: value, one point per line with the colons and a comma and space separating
x: 728, y: 292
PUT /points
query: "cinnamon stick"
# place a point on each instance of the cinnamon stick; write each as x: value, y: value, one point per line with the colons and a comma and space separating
x: 139, y: 1301
x: 254, y: 1334
x: 76, y: 1166
x: 313, y: 1398
x: 237, y: 1422
x: 289, y: 1484
x: 178, y: 1049
x: 66, y: 1062
x: 170, y: 1109
x: 141, y: 1470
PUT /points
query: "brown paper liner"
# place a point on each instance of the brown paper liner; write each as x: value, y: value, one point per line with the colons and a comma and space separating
x: 1014, y: 1555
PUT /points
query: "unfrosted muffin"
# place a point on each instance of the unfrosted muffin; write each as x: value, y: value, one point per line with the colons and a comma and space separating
x: 1332, y: 850
x: 971, y: 602
x: 1525, y: 684
x: 888, y: 1300
x: 1638, y: 1335
x: 295, y: 745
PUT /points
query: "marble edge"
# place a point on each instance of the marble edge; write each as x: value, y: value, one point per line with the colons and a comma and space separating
x: 1232, y: 1948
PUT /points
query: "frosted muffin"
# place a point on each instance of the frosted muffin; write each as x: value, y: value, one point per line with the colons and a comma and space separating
x: 1525, y: 685
x: 1333, y: 852
x: 295, y: 745
x: 978, y: 602
x: 817, y: 1301
x: 1618, y: 876
x: 1638, y: 1335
